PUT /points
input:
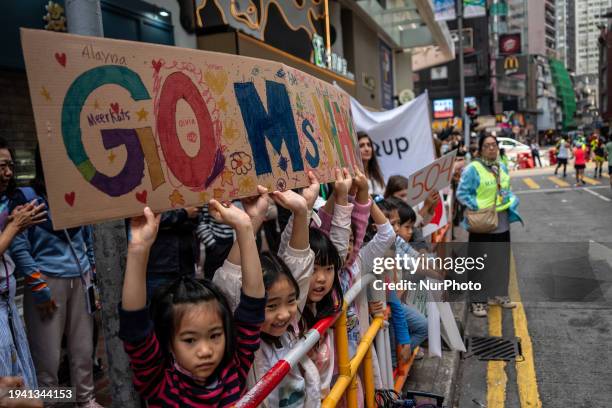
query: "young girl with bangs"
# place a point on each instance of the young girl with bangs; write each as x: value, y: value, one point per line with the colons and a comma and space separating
x: 325, y: 295
x: 286, y: 281
x: 191, y: 350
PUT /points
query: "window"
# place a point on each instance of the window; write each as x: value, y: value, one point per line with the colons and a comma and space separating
x: 438, y: 73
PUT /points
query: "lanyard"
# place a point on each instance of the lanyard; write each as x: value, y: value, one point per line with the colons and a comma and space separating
x: 76, y: 259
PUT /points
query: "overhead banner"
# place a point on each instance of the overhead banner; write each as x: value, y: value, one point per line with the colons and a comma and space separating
x: 474, y: 8
x: 445, y: 10
x: 123, y: 124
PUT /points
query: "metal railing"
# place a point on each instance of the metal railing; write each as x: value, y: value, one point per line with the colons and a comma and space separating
x: 347, y: 368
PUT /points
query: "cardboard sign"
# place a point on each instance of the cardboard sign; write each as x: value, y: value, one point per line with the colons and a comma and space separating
x: 433, y: 177
x: 124, y: 124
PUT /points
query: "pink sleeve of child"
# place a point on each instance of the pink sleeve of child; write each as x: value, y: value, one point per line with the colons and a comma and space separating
x: 359, y: 219
x: 326, y: 221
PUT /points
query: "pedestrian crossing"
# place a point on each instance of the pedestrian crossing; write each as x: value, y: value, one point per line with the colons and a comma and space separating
x: 553, y: 182
x: 558, y: 181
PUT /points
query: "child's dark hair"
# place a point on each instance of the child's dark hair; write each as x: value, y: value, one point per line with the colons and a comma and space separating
x: 189, y: 291
x: 405, y: 212
x: 12, y: 184
x: 274, y: 269
x: 325, y: 254
x: 394, y: 184
x: 386, y: 206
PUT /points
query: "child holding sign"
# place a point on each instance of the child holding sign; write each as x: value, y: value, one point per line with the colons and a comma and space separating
x: 286, y: 281
x: 191, y: 352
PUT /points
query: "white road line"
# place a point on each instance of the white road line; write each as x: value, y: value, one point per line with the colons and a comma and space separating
x: 588, y: 190
x: 551, y: 190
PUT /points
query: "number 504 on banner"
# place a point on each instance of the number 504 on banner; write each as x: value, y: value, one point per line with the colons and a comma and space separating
x: 433, y: 177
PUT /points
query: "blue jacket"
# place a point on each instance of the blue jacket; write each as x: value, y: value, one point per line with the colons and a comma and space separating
x: 466, y: 194
x: 40, y: 249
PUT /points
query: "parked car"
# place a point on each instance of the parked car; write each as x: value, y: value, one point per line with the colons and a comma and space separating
x: 512, y: 147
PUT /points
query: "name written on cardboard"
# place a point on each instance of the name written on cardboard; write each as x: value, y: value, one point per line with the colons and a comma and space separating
x: 101, y: 56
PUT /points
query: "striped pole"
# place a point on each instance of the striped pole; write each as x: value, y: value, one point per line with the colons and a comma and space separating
x: 279, y: 370
x: 276, y: 374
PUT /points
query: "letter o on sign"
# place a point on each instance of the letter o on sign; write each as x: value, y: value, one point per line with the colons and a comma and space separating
x: 191, y: 171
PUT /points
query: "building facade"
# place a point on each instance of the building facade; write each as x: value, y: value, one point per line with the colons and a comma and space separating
x: 441, y: 81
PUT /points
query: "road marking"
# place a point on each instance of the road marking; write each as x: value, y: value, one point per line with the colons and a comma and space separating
x: 496, y: 370
x: 530, y: 183
x: 590, y: 181
x: 588, y: 190
x: 529, y: 395
x: 558, y: 181
x: 556, y: 190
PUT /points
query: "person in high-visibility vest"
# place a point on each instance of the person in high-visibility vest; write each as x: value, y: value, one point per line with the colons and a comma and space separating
x: 486, y: 182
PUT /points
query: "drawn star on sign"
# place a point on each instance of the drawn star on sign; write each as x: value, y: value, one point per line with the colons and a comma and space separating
x: 227, y: 177
x: 176, y: 198
x: 203, y: 197
x: 246, y: 184
x: 142, y: 114
x: 222, y: 105
x: 45, y: 93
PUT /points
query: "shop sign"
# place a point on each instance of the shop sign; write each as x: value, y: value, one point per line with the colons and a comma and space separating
x: 443, y: 108
x: 510, y: 44
x: 333, y: 62
x: 386, y: 74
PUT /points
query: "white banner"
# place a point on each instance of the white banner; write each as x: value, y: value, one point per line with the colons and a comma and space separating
x: 402, y: 136
x: 403, y: 143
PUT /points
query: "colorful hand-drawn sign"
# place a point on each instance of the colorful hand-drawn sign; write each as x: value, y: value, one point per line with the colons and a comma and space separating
x: 123, y: 124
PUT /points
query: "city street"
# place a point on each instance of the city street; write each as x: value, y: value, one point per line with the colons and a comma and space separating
x: 563, y: 255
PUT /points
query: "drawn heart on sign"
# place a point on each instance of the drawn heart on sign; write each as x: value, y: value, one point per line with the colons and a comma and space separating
x: 115, y: 107
x: 156, y: 65
x: 142, y: 196
x: 69, y: 197
x: 438, y: 212
x: 61, y: 58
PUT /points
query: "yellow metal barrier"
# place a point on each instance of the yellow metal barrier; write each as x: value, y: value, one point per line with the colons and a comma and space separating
x: 346, y: 377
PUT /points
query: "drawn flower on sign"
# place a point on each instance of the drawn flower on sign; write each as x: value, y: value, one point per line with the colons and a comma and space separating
x: 255, y: 71
x: 281, y: 184
x: 241, y: 163
x: 280, y: 73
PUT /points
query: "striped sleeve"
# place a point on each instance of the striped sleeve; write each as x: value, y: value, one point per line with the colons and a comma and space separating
x: 143, y: 349
x: 249, y: 316
x: 209, y: 230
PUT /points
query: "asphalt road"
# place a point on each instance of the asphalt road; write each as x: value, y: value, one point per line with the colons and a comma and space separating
x: 563, y: 266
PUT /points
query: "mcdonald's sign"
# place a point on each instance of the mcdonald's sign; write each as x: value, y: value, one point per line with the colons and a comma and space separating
x: 511, y: 65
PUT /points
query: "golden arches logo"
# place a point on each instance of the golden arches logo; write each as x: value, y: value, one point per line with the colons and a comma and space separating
x: 511, y: 63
